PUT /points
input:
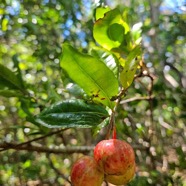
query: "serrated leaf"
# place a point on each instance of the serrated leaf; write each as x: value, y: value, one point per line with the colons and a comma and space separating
x: 130, y: 66
x: 72, y: 113
x: 109, y: 31
x: 91, y: 74
x: 9, y: 79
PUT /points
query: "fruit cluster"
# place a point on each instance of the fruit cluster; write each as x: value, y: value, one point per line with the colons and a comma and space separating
x: 113, y: 161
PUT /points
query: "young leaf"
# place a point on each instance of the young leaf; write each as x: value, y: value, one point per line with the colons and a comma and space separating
x: 110, y: 30
x: 100, y: 11
x: 130, y: 66
x: 91, y: 74
x: 72, y: 113
x: 116, y: 32
x: 9, y: 78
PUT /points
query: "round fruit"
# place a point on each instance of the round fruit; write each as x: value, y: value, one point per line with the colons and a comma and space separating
x: 116, y: 159
x: 85, y: 173
x: 121, y: 179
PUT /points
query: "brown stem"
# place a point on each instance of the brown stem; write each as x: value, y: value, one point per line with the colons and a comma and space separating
x: 111, y: 127
x: 37, y: 139
x: 55, y: 149
x: 39, y: 148
x: 136, y: 99
x: 111, y: 124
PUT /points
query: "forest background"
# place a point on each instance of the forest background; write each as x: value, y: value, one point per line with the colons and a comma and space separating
x: 151, y: 116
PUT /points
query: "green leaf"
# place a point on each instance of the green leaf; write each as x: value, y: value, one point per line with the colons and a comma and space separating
x: 100, y: 11
x: 10, y: 93
x: 108, y: 58
x: 4, y: 25
x: 91, y: 74
x: 96, y: 130
x: 130, y: 66
x: 19, y: 73
x: 75, y: 90
x: 115, y: 32
x: 110, y: 30
x: 72, y: 113
x: 26, y: 106
x: 9, y: 79
x: 136, y: 32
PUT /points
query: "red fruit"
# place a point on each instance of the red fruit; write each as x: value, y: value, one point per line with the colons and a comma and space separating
x: 116, y: 159
x: 121, y: 179
x: 85, y: 173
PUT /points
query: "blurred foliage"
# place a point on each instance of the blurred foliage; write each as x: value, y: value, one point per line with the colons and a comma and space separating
x: 31, y: 37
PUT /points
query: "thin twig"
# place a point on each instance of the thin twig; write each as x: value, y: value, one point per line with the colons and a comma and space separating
x: 56, y: 170
x: 37, y: 139
x: 112, y: 116
x: 54, y: 149
x: 44, y: 149
x: 136, y: 99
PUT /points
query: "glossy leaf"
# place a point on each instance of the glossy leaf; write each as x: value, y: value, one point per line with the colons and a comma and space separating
x: 9, y: 79
x: 72, y: 113
x: 130, y: 66
x: 91, y: 74
x: 110, y: 30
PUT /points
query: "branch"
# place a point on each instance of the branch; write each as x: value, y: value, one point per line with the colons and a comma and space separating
x: 37, y: 139
x: 55, y: 149
x: 39, y: 148
x: 136, y: 99
x: 180, y: 75
x: 56, y: 170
